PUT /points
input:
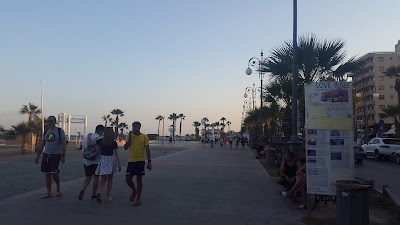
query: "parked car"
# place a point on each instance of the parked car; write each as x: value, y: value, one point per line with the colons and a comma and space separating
x: 359, y: 154
x: 382, y: 147
x: 397, y: 157
x: 188, y: 138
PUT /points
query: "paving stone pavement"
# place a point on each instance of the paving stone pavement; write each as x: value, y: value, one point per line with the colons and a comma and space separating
x: 196, y: 186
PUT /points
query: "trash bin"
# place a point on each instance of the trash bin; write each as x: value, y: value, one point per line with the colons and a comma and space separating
x: 352, y: 206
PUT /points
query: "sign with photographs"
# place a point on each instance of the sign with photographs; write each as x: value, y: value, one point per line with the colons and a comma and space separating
x: 329, y: 135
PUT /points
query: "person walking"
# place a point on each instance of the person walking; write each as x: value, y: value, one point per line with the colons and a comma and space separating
x: 109, y: 161
x: 211, y: 140
x: 90, y: 165
x: 231, y: 140
x: 53, y: 142
x: 137, y: 143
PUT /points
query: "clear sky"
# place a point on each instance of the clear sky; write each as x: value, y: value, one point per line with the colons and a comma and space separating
x: 152, y: 58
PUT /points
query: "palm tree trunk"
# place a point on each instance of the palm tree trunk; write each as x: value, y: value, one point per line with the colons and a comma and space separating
x: 24, y: 145
x: 180, y: 129
x: 158, y: 130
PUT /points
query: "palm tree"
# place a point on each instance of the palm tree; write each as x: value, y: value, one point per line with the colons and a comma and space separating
x: 318, y: 59
x: 217, y: 124
x: 180, y: 124
x: 122, y: 126
x: 196, y: 124
x: 33, y: 112
x: 223, y: 119
x: 392, y: 111
x: 159, y: 118
x: 173, y: 117
x: 394, y: 71
x: 106, y: 118
x: 118, y: 113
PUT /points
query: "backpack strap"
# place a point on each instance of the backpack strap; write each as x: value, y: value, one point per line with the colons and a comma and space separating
x: 59, y: 135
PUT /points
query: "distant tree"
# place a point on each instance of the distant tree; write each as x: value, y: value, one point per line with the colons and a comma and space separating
x: 182, y: 117
x: 159, y: 118
x: 107, y: 119
x: 118, y: 113
x: 122, y: 126
x: 196, y: 124
x: 173, y: 117
x: 393, y: 112
x: 223, y: 119
x: 394, y: 71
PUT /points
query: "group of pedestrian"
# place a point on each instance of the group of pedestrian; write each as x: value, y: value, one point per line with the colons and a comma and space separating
x: 100, y: 160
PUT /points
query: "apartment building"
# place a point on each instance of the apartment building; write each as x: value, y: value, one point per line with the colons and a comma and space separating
x: 375, y: 90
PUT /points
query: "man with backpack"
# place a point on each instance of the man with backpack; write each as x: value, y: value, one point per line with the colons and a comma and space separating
x: 53, y: 142
x: 91, y: 157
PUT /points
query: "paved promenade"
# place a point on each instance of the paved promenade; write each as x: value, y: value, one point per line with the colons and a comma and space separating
x: 196, y: 186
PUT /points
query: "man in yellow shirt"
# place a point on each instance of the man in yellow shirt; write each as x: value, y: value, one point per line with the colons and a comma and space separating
x: 137, y: 143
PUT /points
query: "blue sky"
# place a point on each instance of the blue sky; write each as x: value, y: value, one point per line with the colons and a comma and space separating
x: 152, y: 58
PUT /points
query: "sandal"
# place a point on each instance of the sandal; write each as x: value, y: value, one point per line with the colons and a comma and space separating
x: 46, y: 196
x: 137, y: 203
x: 98, y: 197
x: 302, y: 206
x: 58, y: 194
x: 80, y: 196
x: 132, y: 198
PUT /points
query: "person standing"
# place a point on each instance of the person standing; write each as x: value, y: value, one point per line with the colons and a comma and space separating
x: 53, y: 142
x: 90, y: 166
x: 109, y: 161
x: 137, y: 143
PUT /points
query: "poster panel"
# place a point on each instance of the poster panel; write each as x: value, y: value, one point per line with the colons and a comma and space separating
x: 329, y: 135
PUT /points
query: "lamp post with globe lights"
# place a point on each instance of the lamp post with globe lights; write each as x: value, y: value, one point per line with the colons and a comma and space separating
x: 258, y: 64
x: 253, y: 92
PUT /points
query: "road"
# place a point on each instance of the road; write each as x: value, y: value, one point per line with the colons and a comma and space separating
x: 19, y: 173
x: 382, y: 172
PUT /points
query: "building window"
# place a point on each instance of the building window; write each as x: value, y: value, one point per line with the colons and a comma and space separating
x: 391, y: 58
x: 391, y: 87
x: 391, y: 96
x: 381, y: 106
x: 381, y: 87
x: 380, y: 59
x: 381, y: 78
x: 381, y: 97
x: 381, y: 68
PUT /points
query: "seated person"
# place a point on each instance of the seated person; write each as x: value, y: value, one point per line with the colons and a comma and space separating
x: 287, y: 171
x: 260, y: 151
x: 299, y: 186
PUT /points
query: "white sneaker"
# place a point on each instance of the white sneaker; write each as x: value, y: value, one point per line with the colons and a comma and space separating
x: 284, y: 193
x: 108, y: 199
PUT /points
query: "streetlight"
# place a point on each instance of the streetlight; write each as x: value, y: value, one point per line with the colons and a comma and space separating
x: 253, y: 91
x: 365, y: 119
x: 256, y: 62
x: 294, y: 142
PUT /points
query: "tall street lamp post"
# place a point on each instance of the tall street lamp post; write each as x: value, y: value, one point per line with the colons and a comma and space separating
x: 258, y: 63
x: 294, y: 142
x: 253, y: 91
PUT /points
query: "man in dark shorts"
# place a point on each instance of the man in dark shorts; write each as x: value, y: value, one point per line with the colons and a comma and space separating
x: 53, y: 141
x: 90, y: 166
x: 137, y: 143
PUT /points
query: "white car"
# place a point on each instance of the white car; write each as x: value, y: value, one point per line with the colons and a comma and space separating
x: 397, y: 157
x: 382, y: 147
